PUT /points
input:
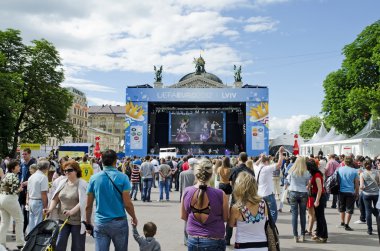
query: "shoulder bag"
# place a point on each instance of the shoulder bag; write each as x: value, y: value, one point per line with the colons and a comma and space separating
x: 271, y: 232
x: 113, y: 183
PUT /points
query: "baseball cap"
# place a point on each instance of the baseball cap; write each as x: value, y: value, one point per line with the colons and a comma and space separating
x: 136, y: 162
x: 192, y: 161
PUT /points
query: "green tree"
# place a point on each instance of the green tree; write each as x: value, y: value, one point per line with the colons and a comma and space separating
x: 352, y: 93
x: 310, y: 126
x: 33, y: 104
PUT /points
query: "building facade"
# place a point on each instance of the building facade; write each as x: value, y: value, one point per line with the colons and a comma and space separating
x: 108, y: 119
x: 107, y: 140
x: 78, y: 117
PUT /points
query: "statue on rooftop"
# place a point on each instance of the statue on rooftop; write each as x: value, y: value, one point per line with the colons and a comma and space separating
x: 199, y: 65
x: 237, y: 74
x: 158, y: 73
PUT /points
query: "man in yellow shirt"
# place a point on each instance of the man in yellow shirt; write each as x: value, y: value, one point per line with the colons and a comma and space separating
x: 86, y: 169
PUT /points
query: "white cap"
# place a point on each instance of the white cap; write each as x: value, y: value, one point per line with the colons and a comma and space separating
x: 192, y: 161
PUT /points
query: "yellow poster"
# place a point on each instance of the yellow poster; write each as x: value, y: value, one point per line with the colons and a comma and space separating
x: 71, y: 154
x: 31, y: 146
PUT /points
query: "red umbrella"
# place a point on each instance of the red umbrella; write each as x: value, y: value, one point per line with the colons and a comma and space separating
x: 296, y: 149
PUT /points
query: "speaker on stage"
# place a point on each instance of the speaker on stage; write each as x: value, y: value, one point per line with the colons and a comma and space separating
x: 152, y: 124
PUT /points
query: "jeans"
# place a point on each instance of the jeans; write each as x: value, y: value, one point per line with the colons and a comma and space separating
x: 35, y: 213
x: 147, y: 186
x: 78, y: 240
x: 115, y: 230
x: 321, y: 230
x: 204, y: 244
x: 335, y: 199
x: 298, y: 200
x: 271, y: 200
x: 370, y: 200
x: 135, y: 189
x: 164, y: 185
x: 362, y: 207
x: 378, y: 224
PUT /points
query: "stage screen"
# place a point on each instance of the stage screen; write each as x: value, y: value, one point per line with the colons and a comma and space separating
x: 203, y: 127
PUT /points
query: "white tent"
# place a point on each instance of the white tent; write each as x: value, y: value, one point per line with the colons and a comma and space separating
x: 366, y: 142
x: 286, y: 140
x: 322, y: 132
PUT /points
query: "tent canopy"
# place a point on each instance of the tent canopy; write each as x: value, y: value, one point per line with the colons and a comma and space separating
x: 371, y: 130
x: 322, y: 132
x: 286, y: 140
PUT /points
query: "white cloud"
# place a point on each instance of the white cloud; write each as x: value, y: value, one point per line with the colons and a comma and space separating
x: 260, y: 24
x: 279, y: 126
x: 85, y: 85
x: 101, y: 101
x: 134, y: 35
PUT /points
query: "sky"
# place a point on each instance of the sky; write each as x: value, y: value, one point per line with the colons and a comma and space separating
x: 288, y: 45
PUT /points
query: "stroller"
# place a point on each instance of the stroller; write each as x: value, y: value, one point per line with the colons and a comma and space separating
x: 44, y: 236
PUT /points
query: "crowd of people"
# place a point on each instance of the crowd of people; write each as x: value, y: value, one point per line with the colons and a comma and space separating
x: 217, y: 195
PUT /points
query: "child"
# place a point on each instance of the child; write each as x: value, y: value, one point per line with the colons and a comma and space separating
x: 148, y: 243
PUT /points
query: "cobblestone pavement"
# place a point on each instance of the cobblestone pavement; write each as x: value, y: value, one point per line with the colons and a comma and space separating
x: 170, y: 229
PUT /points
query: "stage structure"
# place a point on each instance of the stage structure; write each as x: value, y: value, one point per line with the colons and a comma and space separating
x: 199, y: 115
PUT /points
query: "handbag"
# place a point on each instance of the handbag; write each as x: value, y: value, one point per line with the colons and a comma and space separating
x: 271, y: 232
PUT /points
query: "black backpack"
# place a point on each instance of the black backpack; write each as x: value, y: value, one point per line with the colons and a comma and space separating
x: 332, y: 184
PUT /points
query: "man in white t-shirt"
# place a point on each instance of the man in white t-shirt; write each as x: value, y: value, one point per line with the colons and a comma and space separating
x: 38, y: 186
x: 263, y: 173
x: 156, y: 166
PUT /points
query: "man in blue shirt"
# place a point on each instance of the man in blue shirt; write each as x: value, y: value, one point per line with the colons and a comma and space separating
x: 110, y: 189
x: 348, y: 192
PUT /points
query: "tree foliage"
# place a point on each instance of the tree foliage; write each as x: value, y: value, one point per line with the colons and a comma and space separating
x: 352, y: 93
x: 33, y: 104
x: 310, y: 126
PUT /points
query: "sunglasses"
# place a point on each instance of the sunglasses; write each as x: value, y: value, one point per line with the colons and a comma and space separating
x: 68, y: 170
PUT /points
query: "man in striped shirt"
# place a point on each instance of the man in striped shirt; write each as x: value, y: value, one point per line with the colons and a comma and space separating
x: 135, y: 179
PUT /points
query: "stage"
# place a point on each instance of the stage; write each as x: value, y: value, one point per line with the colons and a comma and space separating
x: 197, y: 121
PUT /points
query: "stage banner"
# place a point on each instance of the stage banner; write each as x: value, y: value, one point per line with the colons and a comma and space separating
x: 257, y: 128
x: 136, y: 119
x: 197, y: 94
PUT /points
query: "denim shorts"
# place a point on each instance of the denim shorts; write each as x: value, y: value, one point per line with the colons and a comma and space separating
x: 205, y: 244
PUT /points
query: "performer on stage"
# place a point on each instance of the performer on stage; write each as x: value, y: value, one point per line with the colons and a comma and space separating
x: 181, y: 132
x: 205, y: 135
x: 213, y: 128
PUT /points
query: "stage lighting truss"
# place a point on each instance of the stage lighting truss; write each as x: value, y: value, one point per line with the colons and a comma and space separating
x: 192, y: 110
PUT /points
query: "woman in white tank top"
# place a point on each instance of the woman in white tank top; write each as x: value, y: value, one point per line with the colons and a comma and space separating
x: 248, y: 215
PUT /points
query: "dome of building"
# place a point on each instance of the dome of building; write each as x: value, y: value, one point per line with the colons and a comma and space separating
x: 204, y: 75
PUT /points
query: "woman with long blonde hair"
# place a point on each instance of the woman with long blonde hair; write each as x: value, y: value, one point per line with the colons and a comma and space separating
x: 298, y: 178
x: 205, y: 209
x: 248, y: 215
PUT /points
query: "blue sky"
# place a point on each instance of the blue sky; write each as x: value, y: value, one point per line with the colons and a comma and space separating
x: 288, y: 45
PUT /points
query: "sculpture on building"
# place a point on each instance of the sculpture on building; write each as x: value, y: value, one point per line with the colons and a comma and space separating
x: 237, y: 73
x: 158, y: 73
x: 199, y: 65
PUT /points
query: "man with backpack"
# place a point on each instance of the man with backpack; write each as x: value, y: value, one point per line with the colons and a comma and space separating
x: 348, y: 191
x: 331, y: 166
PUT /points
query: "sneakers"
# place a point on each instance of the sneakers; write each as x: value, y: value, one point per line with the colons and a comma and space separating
x: 321, y: 240
x: 301, y: 238
x: 359, y: 222
x: 296, y: 239
x: 348, y: 228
